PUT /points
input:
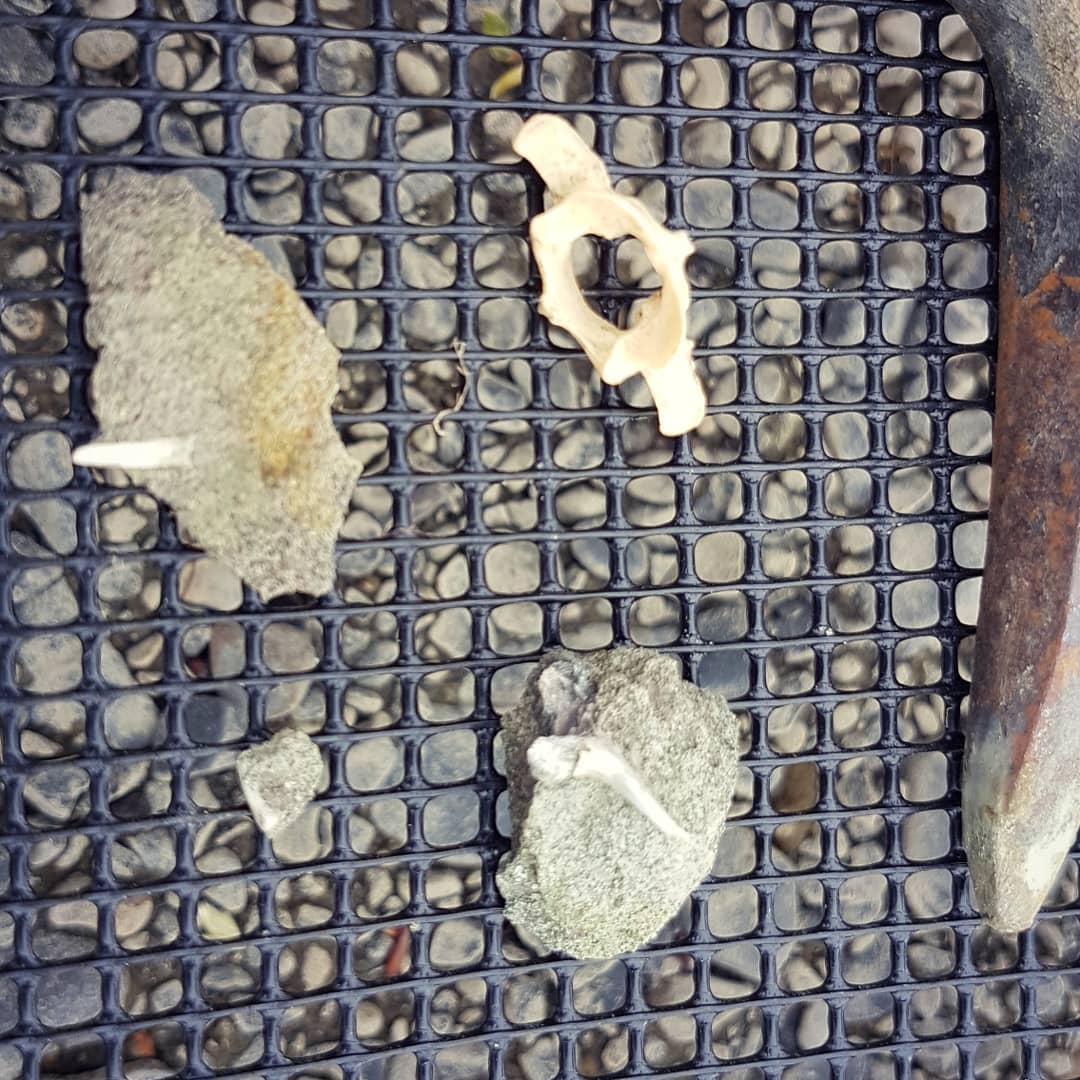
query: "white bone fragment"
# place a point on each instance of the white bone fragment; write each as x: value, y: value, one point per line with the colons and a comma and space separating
x: 137, y: 454
x: 657, y: 346
x: 556, y: 759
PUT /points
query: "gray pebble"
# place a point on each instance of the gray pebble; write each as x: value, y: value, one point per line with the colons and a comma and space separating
x: 279, y: 779
x: 47, y: 528
x: 209, y: 583
x: 100, y: 50
x: 41, y: 462
x: 144, y: 856
x: 41, y: 184
x: 288, y: 649
x: 375, y: 764
x: 9, y: 1004
x: 113, y: 666
x: 271, y: 131
x: 165, y: 996
x: 449, y: 757
x: 350, y: 132
x: 216, y: 718
x: 536, y: 1057
x: 24, y: 58
x: 52, y: 729
x: 120, y: 580
x: 44, y: 596
x: 228, y: 650
x: 68, y: 997
x: 289, y: 700
x: 56, y: 797
x: 109, y: 122
x: 306, y: 837
x: 30, y: 125
x: 11, y: 1062
x: 133, y: 722
x: 451, y: 819
x: 230, y: 977
x: 49, y: 664
x: 457, y: 943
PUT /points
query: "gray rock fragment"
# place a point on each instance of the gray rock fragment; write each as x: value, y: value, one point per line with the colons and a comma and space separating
x: 24, y: 58
x: 620, y: 775
x: 41, y: 462
x: 279, y: 778
x: 203, y: 348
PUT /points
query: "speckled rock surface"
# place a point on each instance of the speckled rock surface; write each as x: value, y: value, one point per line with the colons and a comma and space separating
x: 279, y: 778
x: 198, y: 336
x: 589, y: 875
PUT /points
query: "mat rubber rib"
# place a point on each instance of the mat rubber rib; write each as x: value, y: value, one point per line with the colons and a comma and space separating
x: 812, y: 550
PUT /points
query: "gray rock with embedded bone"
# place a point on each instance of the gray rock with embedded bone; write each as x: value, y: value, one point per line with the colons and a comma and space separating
x: 620, y: 776
x: 214, y: 384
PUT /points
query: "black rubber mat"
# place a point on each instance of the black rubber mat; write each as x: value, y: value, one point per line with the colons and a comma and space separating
x: 812, y: 550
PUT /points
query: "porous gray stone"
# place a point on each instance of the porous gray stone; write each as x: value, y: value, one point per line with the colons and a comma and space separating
x: 279, y: 778
x: 199, y: 338
x: 589, y: 874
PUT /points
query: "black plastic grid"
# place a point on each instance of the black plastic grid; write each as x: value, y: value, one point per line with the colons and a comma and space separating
x: 811, y: 551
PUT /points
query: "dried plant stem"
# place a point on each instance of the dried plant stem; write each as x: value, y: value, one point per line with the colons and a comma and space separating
x: 463, y: 393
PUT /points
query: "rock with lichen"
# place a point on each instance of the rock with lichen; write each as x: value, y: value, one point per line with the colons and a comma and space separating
x: 279, y: 779
x: 620, y: 775
x: 208, y: 353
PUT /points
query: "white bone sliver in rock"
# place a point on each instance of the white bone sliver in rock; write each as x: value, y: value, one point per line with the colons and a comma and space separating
x: 140, y: 454
x: 657, y: 345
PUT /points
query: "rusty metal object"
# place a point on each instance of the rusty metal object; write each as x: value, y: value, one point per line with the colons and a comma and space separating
x: 1021, y: 795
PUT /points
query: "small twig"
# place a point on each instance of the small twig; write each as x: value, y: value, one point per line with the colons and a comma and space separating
x: 459, y: 404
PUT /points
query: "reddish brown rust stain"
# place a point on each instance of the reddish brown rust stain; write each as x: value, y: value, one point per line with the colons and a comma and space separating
x: 397, y: 962
x: 1029, y: 593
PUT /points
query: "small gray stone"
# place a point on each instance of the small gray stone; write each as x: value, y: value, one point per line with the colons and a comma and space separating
x: 285, y: 702
x: 44, y: 596
x: 228, y: 651
x: 109, y: 121
x: 49, y: 664
x: 210, y: 583
x: 288, y: 649
x: 66, y: 931
x: 213, y: 719
x: 590, y: 873
x: 47, y: 528
x: 279, y: 778
x: 11, y: 1063
x: 134, y: 722
x: 41, y: 462
x: 350, y: 132
x: 119, y: 580
x: 68, y: 997
x: 56, y: 797
x: 101, y: 50
x: 29, y: 124
x: 24, y: 58
x: 142, y: 857
x: 113, y: 666
x: 271, y: 131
